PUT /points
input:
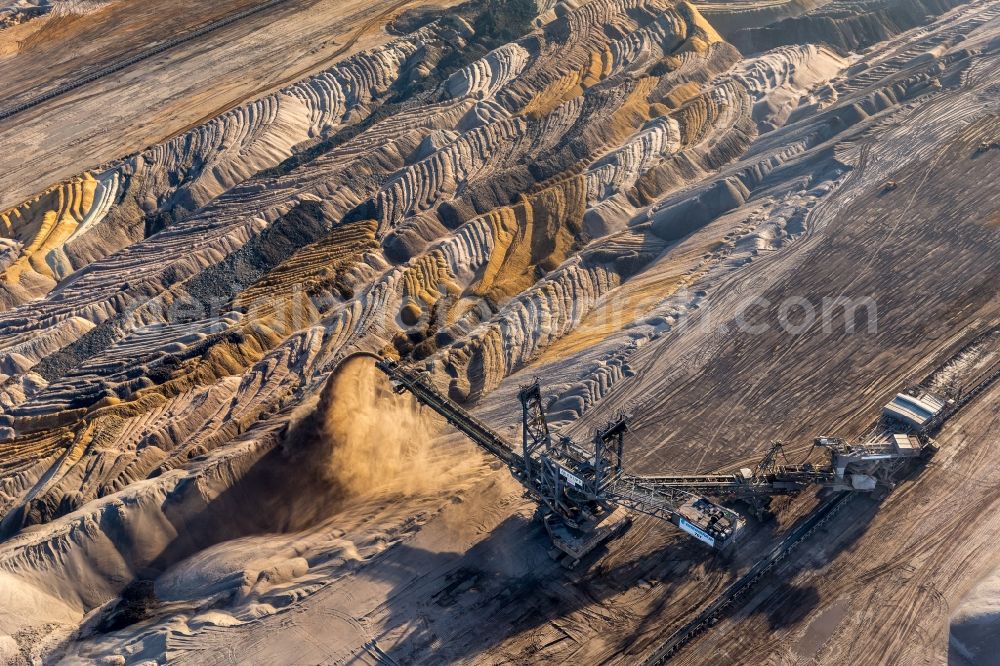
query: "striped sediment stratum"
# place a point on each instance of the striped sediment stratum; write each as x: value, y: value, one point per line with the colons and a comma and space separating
x: 594, y: 200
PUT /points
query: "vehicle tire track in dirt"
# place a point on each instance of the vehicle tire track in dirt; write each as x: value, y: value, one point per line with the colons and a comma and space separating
x: 137, y: 58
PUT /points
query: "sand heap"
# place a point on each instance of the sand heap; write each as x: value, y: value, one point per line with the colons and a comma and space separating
x: 569, y: 198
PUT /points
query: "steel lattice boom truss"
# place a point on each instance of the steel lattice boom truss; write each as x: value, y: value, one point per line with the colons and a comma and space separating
x: 584, y: 494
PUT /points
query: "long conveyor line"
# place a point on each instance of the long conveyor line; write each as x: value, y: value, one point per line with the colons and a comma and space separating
x: 739, y: 588
x: 816, y: 519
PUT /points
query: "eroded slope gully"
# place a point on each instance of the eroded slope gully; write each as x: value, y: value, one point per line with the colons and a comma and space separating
x: 173, y: 322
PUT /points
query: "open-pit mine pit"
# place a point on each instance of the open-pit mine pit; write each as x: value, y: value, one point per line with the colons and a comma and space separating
x: 499, y: 331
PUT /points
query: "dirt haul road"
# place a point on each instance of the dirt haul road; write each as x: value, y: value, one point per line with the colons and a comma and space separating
x: 595, y: 202
x: 145, y: 104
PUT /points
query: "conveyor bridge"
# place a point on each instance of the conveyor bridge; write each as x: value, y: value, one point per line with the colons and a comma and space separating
x: 585, y: 495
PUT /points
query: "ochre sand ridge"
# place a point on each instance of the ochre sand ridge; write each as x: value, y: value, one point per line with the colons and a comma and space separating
x: 592, y: 203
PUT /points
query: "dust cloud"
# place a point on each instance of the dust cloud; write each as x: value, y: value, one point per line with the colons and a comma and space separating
x: 365, y: 440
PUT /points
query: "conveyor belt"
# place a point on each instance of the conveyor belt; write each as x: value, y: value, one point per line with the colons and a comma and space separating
x: 783, y: 479
x: 637, y: 493
x: 741, y: 586
x: 814, y: 521
x: 470, y: 426
x: 720, y: 481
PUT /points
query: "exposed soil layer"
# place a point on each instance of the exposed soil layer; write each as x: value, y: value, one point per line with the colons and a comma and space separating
x: 736, y: 245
